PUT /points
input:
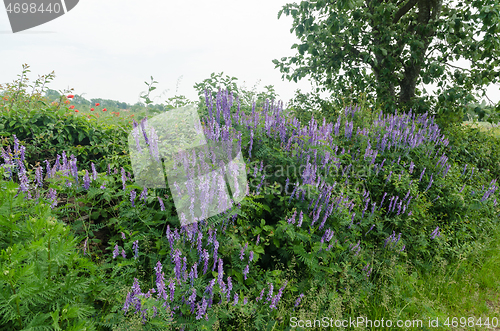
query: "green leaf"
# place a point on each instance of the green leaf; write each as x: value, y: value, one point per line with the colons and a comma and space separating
x: 300, y: 30
x: 258, y: 249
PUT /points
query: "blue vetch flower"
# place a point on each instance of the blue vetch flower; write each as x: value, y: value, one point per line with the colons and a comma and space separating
x: 435, y: 233
x: 86, y: 180
x: 298, y: 300
x: 135, y: 247
x: 245, y: 272
x: 116, y: 251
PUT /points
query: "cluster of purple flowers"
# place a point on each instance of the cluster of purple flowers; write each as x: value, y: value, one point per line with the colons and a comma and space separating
x: 198, y: 302
x: 116, y: 251
x: 275, y: 299
x: 388, y: 133
x: 134, y: 299
x: 392, y: 241
x: 368, y: 271
x: 14, y: 162
x: 435, y: 233
x: 133, y: 194
x: 490, y: 190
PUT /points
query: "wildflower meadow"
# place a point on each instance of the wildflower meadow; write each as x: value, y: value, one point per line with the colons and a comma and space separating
x: 358, y: 214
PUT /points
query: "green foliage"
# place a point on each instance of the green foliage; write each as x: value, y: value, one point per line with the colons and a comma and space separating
x: 472, y: 146
x: 124, y: 238
x: 482, y: 112
x: 44, y: 280
x: 246, y: 97
x: 394, y: 42
x: 47, y: 129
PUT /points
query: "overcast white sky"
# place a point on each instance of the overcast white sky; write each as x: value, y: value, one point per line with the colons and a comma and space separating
x: 108, y: 48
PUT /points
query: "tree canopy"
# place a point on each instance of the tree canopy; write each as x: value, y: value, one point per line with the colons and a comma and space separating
x: 404, y: 43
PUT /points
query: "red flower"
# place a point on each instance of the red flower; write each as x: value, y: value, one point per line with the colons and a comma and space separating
x: 76, y: 111
x: 97, y: 104
x: 71, y: 96
x: 91, y: 109
x: 71, y: 107
x: 104, y: 109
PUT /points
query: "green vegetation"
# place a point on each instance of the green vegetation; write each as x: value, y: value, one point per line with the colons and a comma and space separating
x: 405, y: 45
x: 363, y: 214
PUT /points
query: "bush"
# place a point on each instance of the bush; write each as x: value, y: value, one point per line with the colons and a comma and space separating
x: 46, y: 129
x: 45, y: 280
x: 480, y: 150
x: 332, y: 206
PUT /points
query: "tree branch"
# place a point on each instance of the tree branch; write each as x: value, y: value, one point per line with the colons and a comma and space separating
x: 403, y: 10
x: 450, y: 65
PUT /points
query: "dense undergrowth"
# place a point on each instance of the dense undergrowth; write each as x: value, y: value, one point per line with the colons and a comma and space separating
x: 339, y: 216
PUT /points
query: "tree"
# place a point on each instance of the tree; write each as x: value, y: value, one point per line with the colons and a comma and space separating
x: 52, y: 94
x: 404, y: 43
x: 80, y: 100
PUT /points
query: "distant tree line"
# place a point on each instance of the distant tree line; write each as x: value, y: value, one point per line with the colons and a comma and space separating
x: 53, y: 95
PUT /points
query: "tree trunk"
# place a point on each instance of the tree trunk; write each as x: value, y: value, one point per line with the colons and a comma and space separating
x: 412, y: 68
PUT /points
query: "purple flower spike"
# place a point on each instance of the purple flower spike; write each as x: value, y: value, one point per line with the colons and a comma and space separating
x: 52, y: 196
x: 201, y: 309
x: 38, y: 174
x: 124, y: 178
x: 245, y: 272
x: 86, y: 181
x: 132, y: 197
x: 144, y: 194
x: 422, y: 174
x: 261, y: 295
x: 435, y: 233
x: 116, y: 251
x: 301, y: 217
x: 162, y: 206
x: 144, y: 122
x: 94, y: 172
x: 236, y: 299
x: 370, y: 229
x: 242, y: 253
x: 270, y: 294
x: 135, y: 247
x: 298, y: 300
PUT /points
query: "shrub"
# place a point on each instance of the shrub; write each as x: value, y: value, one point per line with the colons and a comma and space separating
x: 44, y: 280
x: 47, y: 129
x: 480, y: 150
x: 365, y: 193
